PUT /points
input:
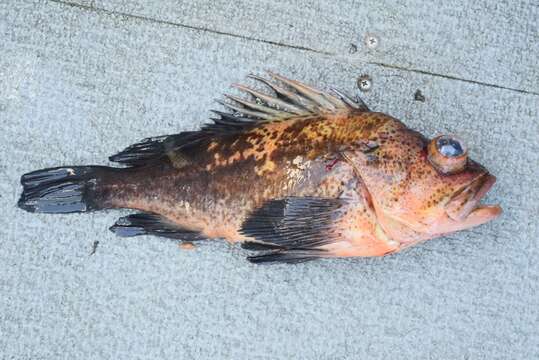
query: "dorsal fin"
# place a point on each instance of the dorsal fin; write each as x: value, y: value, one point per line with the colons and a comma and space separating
x: 290, y: 98
x: 294, y: 99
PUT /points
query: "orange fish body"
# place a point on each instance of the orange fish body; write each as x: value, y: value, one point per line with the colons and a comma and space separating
x: 297, y: 175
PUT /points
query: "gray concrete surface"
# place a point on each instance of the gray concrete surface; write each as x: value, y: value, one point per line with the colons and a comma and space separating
x: 79, y: 82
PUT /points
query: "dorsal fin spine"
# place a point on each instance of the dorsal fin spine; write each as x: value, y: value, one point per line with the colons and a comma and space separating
x: 292, y: 99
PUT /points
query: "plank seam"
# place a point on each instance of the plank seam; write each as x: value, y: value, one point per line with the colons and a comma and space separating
x: 170, y: 23
x: 279, y: 44
x: 451, y: 77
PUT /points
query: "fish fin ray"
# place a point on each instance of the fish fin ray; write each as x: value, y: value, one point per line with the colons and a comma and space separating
x: 62, y: 189
x: 256, y: 245
x: 293, y: 223
x: 356, y: 102
x: 157, y: 149
x: 290, y: 99
x: 140, y: 153
x: 286, y: 256
x: 152, y: 224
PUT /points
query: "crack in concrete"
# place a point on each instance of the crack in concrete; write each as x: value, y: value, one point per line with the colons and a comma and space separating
x: 276, y: 43
x: 450, y: 77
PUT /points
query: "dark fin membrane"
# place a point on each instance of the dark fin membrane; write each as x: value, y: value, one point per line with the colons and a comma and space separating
x: 141, y: 153
x: 293, y: 222
x: 296, y: 226
x: 287, y: 99
x: 258, y: 246
x: 287, y: 257
x: 152, y: 224
x: 171, y: 149
x: 61, y: 189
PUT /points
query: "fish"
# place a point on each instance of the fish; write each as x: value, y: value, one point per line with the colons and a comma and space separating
x: 290, y: 172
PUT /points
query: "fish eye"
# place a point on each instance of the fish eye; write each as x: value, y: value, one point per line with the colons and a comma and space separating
x: 449, y: 146
x: 447, y: 154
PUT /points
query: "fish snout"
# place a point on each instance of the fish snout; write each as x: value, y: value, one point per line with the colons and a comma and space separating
x: 465, y: 207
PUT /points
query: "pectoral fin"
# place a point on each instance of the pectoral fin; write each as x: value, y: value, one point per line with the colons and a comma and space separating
x: 287, y: 256
x: 295, y: 229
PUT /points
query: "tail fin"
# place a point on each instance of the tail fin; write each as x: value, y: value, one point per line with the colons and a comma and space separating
x: 61, y: 189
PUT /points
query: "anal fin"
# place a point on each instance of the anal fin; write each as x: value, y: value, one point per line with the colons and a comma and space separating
x: 152, y: 224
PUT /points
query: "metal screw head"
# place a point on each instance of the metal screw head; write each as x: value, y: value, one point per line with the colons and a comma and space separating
x: 364, y: 83
x: 372, y: 41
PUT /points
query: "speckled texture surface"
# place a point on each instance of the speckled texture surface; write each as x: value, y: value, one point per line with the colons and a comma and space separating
x: 78, y: 84
x: 490, y: 42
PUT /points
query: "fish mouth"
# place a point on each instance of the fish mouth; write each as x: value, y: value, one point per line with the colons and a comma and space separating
x: 465, y: 204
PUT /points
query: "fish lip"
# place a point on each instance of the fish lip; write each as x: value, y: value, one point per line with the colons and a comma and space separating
x: 467, y: 200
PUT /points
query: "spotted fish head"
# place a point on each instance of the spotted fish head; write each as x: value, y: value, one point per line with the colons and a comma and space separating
x: 423, y: 188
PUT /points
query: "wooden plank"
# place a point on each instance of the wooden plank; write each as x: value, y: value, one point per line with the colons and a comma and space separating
x: 491, y: 42
x: 78, y: 84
